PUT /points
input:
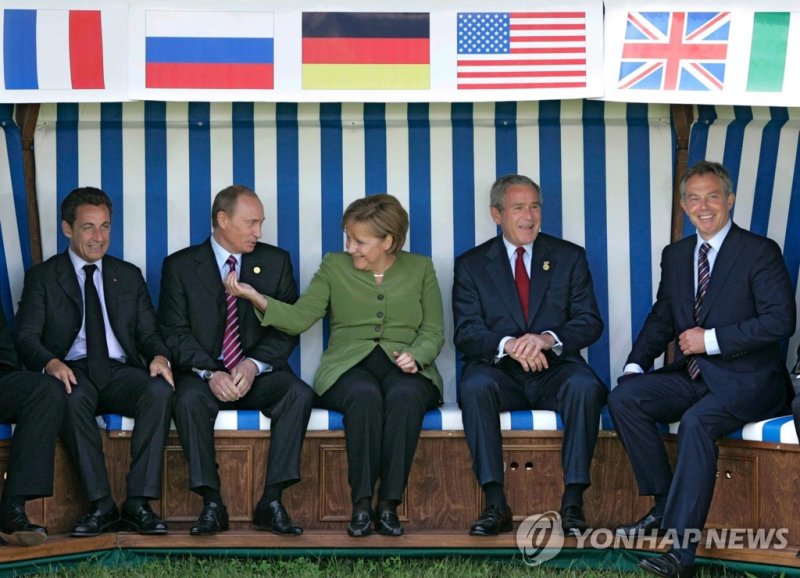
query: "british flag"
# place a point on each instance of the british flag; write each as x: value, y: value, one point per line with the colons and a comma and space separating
x: 675, y: 51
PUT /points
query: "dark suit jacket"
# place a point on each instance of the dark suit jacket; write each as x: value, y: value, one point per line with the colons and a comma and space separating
x: 192, y: 309
x: 486, y: 306
x: 8, y: 357
x: 750, y: 303
x: 50, y: 313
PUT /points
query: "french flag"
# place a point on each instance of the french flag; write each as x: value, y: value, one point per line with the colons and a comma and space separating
x: 209, y: 50
x: 52, y: 49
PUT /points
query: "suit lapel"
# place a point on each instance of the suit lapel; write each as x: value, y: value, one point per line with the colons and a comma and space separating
x: 111, y: 292
x: 208, y: 275
x: 726, y: 260
x: 499, y: 270
x: 685, y: 273
x: 68, y: 281
x: 541, y: 267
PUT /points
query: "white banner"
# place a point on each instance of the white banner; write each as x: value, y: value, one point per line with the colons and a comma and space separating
x: 722, y: 52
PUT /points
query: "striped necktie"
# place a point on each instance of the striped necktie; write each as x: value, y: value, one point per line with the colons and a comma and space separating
x: 231, y: 345
x: 703, y: 274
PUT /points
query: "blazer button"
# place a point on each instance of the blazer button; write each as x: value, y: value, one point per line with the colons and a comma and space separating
x: 377, y: 340
x: 380, y: 314
x: 380, y: 296
x: 378, y: 328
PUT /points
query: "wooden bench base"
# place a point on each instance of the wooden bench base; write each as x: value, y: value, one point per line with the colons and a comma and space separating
x: 756, y: 488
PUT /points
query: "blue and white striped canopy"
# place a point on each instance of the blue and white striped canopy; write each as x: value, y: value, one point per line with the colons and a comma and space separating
x: 605, y: 171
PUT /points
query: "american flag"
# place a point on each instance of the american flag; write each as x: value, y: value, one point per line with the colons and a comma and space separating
x: 675, y: 51
x: 506, y: 50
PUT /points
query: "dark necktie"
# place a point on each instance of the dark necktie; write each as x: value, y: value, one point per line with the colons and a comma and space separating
x: 231, y: 345
x: 703, y: 274
x: 96, y: 345
x: 522, y: 280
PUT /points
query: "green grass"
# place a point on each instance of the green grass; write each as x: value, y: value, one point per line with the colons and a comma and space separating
x: 331, y: 567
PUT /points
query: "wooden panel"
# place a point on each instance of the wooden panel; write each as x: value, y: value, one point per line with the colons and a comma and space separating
x: 533, y: 478
x: 613, y: 498
x: 334, y: 490
x: 735, y: 503
x: 442, y: 490
x: 235, y: 461
x: 779, y: 498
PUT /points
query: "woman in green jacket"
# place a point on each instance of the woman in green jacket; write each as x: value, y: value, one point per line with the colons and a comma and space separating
x: 386, y: 330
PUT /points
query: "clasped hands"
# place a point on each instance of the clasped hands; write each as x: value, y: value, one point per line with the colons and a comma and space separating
x: 528, y: 350
x: 233, y: 386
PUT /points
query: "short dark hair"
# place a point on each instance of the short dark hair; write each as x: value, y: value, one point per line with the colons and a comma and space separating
x: 225, y: 200
x: 384, y: 214
x: 83, y: 196
x: 497, y: 196
x: 706, y: 168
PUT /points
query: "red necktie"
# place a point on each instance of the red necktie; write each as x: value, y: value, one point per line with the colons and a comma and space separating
x: 231, y: 345
x: 522, y: 280
x: 703, y: 274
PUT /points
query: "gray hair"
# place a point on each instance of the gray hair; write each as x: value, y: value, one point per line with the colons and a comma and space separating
x: 497, y: 196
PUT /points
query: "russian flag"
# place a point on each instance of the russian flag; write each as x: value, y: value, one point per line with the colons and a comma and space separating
x: 52, y: 49
x: 209, y: 50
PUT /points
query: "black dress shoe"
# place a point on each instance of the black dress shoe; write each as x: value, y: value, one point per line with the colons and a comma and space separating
x: 668, y: 566
x: 274, y: 517
x: 143, y: 520
x: 643, y: 526
x: 573, y: 522
x: 389, y: 523
x: 360, y: 524
x: 96, y: 523
x: 15, y: 528
x: 212, y: 520
x: 493, y: 520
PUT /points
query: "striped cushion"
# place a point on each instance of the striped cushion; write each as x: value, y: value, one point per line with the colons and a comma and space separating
x: 448, y: 418
x: 776, y: 430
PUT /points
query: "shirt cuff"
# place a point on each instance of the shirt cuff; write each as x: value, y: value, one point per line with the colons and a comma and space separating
x: 262, y: 367
x: 501, y: 349
x: 558, y: 347
x: 632, y: 368
x: 710, y: 340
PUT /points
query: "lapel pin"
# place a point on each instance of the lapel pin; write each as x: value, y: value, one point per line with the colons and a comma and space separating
x: 546, y: 266
x: 256, y: 269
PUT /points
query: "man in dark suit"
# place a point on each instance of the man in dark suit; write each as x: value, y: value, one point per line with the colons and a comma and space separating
x: 86, y: 319
x: 726, y: 297
x: 36, y: 403
x: 225, y: 359
x: 523, y: 308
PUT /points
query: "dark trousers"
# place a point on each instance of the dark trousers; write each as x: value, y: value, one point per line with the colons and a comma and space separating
x: 641, y: 402
x: 568, y: 387
x: 281, y: 396
x: 131, y: 392
x: 36, y: 403
x: 383, y: 408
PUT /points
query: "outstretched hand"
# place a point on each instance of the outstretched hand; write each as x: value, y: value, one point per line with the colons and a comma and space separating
x: 245, y: 291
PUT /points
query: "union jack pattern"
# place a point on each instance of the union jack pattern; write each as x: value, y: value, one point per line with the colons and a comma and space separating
x: 675, y: 51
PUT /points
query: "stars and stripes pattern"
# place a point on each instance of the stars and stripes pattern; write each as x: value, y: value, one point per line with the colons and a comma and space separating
x: 231, y: 345
x: 703, y: 273
x: 500, y: 50
x: 675, y: 51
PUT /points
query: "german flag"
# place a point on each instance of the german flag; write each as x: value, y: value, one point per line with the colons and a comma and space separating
x: 366, y: 50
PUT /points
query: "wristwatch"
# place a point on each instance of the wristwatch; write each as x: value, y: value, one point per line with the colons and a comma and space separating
x: 204, y: 374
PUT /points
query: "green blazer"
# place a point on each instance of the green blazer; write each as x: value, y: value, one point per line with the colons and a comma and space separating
x: 404, y: 313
